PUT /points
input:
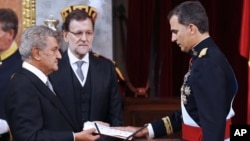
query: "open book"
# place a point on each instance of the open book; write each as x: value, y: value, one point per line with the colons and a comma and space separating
x: 108, y: 131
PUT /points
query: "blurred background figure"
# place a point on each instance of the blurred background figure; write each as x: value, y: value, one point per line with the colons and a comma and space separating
x: 10, y: 60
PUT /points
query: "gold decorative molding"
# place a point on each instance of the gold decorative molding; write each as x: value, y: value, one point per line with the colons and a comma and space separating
x: 28, y: 13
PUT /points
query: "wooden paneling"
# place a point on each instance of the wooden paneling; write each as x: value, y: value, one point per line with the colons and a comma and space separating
x: 138, y: 111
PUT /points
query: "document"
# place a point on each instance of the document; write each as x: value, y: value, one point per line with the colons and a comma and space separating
x: 108, y: 131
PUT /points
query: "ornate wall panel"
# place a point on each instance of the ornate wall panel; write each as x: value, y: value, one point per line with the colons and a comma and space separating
x: 103, y: 41
x: 28, y: 13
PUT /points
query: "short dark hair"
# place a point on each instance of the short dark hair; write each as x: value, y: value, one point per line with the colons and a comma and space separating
x: 76, y: 15
x: 9, y: 20
x: 191, y: 12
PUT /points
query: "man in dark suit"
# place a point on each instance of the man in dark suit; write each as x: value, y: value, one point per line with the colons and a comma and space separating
x: 94, y: 93
x: 10, y: 60
x: 34, y: 112
x: 209, y: 86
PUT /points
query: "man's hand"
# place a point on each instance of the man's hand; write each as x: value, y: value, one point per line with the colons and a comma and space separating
x: 86, y: 135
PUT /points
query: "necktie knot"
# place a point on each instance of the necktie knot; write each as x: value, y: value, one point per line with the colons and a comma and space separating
x: 79, y: 64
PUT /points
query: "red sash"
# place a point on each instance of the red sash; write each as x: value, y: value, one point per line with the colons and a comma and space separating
x: 191, y: 133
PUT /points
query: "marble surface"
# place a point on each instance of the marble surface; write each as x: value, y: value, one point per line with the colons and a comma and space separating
x: 103, y: 43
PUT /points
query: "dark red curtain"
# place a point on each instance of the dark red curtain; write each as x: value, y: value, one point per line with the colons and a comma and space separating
x: 245, y: 45
x: 150, y: 53
x: 139, y: 33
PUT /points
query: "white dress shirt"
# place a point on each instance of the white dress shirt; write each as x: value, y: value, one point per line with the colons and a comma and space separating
x: 36, y: 71
x: 85, y: 65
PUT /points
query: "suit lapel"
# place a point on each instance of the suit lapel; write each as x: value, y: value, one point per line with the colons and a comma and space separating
x: 63, y: 82
x: 44, y: 90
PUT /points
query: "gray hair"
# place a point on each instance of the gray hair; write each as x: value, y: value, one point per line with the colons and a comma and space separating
x: 34, y: 36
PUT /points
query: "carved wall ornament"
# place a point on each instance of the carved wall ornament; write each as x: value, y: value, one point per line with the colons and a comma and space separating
x: 28, y: 13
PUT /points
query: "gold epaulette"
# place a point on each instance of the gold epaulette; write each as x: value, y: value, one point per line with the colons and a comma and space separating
x: 203, y: 52
x: 168, y: 125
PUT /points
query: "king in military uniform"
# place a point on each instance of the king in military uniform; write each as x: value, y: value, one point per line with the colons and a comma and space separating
x: 209, y: 86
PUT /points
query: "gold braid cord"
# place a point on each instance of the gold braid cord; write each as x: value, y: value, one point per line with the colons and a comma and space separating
x: 118, y: 72
x: 168, y: 125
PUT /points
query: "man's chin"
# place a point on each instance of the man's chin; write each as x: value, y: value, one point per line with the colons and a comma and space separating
x: 184, y: 50
x: 56, y: 69
x: 83, y: 51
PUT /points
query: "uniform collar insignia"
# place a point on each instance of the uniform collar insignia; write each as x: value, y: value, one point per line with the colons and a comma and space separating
x: 7, y: 53
x: 194, y: 52
x: 203, y: 52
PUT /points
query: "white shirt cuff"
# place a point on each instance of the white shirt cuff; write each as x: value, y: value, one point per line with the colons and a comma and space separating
x: 4, y: 127
x: 151, y: 133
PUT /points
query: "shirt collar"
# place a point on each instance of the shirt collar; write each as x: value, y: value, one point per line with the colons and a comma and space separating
x: 35, y: 70
x: 73, y: 59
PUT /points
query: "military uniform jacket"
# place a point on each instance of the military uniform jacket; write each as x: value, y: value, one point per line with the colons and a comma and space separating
x: 207, y: 93
x: 10, y: 62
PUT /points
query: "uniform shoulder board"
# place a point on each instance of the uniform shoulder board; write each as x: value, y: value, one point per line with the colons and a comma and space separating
x: 100, y: 56
x: 118, y: 72
x: 203, y: 52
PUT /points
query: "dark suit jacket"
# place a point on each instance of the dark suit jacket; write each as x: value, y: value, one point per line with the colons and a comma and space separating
x: 33, y: 112
x: 105, y: 97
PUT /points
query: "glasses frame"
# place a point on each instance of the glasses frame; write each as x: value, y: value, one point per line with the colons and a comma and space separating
x: 80, y: 34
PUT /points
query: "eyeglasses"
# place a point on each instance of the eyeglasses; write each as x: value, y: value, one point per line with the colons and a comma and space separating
x: 80, y: 34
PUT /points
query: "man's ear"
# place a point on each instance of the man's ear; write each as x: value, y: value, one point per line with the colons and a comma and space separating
x: 11, y: 34
x: 36, y: 53
x: 65, y: 36
x: 193, y: 28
